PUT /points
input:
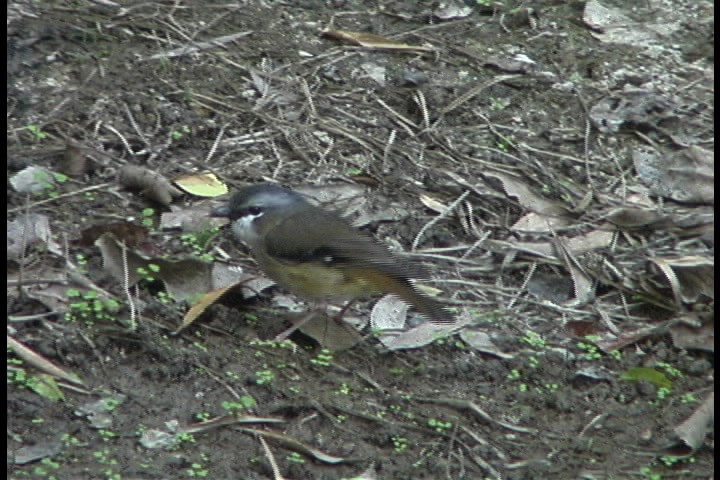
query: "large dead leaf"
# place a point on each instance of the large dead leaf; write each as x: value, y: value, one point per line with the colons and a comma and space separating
x: 634, y: 108
x: 482, y: 342
x: 389, y: 313
x: 689, y: 277
x: 691, y: 433
x: 33, y: 179
x: 694, y: 331
x: 184, y: 279
x: 687, y: 175
x: 28, y: 230
x: 583, y: 283
x: 330, y: 333
x: 422, y: 335
x: 516, y: 187
x: 612, y: 26
x: 248, y: 285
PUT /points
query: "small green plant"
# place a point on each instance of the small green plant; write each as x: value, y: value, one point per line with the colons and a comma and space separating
x: 551, y: 387
x: 60, y: 177
x: 592, y: 352
x: 535, y: 340
x: 82, y: 262
x: 616, y: 355
x: 46, y: 469
x: 439, y: 426
x: 203, y: 416
x: 199, y: 242
x: 183, y: 438
x: 245, y: 402
x: 324, y: 358
x: 107, y: 435
x: 264, y: 377
x: 670, y: 370
x: 400, y: 444
x: 343, y: 390
x: 165, y: 298
x: 294, y: 457
x: 689, y: 398
x: 271, y: 344
x: 37, y: 133
x: 648, y: 473
x: 499, y: 104
x: 104, y: 457
x: 89, y: 307
x: 148, y: 219
x: 533, y: 362
x: 47, y: 181
x: 111, y: 404
x: 674, y: 461
x: 148, y: 273
x: 514, y: 374
x: 198, y: 469
x: 506, y: 144
x: 663, y: 393
x: 181, y: 132
x: 70, y: 441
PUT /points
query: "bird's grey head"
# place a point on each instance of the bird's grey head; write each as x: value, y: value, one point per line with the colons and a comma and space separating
x: 254, y: 204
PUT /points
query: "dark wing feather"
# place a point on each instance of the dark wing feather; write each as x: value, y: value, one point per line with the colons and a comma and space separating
x: 299, y: 240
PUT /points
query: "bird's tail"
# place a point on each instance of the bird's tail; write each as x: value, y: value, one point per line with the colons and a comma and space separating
x: 402, y: 287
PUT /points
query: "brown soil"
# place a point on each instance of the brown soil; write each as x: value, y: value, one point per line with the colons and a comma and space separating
x: 284, y: 103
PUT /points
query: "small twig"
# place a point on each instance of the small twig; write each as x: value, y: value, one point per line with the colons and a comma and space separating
x: 126, y: 286
x: 435, y: 220
x: 214, y: 146
x: 388, y: 146
x: 197, y: 46
x: 308, y: 95
x: 23, y: 245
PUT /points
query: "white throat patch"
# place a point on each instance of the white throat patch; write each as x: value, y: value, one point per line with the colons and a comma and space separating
x: 244, y: 228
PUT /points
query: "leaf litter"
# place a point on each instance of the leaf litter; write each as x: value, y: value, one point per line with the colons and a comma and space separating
x: 591, y: 166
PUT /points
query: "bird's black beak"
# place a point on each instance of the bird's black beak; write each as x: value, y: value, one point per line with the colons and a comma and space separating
x: 220, y: 212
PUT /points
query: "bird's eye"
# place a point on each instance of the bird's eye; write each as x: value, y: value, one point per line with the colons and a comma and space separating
x: 254, y: 210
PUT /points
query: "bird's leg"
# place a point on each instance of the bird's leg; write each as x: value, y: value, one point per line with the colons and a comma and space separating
x: 316, y: 308
x: 339, y: 316
x: 282, y: 336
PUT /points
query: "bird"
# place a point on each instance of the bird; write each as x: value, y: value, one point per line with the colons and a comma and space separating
x: 316, y: 254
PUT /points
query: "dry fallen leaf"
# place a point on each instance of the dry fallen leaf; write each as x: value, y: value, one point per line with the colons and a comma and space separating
x: 687, y: 175
x: 202, y: 185
x: 27, y: 230
x: 368, y: 40
x: 692, y: 431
